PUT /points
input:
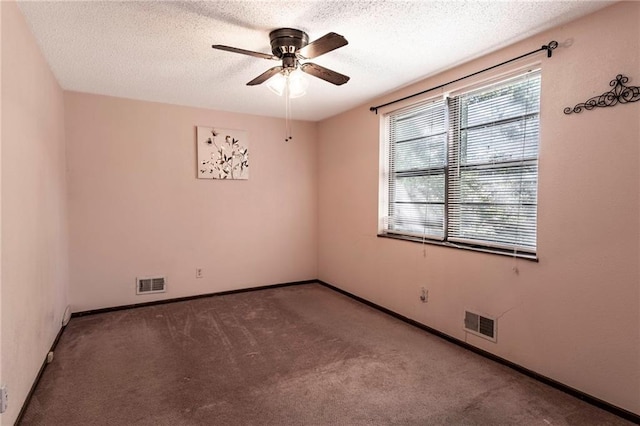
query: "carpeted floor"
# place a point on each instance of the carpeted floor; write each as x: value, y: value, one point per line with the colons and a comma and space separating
x: 301, y: 355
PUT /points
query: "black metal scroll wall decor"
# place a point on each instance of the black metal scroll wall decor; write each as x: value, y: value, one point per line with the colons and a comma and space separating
x: 620, y: 94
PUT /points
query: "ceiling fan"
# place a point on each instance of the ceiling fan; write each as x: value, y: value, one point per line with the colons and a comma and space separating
x: 291, y: 46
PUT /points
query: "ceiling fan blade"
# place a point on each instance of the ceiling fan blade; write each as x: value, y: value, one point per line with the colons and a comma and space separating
x: 264, y: 76
x: 245, y: 52
x: 324, y: 73
x: 324, y: 44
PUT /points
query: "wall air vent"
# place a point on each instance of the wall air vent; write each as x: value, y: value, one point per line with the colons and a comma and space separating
x: 480, y: 325
x: 146, y: 285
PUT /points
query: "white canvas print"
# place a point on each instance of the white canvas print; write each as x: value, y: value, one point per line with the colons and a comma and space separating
x: 222, y: 153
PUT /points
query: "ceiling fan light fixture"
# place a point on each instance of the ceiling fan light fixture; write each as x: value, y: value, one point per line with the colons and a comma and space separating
x: 277, y: 84
x: 298, y: 83
x: 288, y: 82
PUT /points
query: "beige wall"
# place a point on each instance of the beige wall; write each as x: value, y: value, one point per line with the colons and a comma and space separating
x: 574, y: 316
x: 34, y: 215
x: 137, y: 209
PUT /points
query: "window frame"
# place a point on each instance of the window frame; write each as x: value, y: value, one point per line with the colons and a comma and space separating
x: 446, y: 240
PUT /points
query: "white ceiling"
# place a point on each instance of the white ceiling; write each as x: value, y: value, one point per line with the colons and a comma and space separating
x: 161, y: 51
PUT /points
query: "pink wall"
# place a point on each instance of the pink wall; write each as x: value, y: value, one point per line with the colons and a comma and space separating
x: 34, y: 209
x: 574, y: 316
x: 137, y: 209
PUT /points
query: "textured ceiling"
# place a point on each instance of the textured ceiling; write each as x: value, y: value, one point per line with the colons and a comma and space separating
x: 161, y: 51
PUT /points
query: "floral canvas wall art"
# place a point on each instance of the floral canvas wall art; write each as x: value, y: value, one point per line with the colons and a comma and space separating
x: 222, y: 153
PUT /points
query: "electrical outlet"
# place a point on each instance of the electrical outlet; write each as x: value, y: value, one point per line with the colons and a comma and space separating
x: 424, y: 295
x: 198, y: 272
x: 4, y: 398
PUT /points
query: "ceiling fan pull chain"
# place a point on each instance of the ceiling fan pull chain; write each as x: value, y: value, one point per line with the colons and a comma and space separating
x: 287, y: 114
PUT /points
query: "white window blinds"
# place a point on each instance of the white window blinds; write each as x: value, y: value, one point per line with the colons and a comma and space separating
x: 418, y: 154
x: 465, y: 169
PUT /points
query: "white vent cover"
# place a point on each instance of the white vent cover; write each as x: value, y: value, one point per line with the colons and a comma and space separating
x: 146, y: 285
x: 480, y: 325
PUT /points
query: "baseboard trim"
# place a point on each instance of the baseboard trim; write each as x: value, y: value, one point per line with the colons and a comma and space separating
x: 620, y: 412
x: 38, y: 376
x: 183, y: 299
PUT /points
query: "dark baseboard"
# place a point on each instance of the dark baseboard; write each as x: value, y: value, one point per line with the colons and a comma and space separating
x: 621, y: 412
x: 38, y: 376
x: 183, y: 299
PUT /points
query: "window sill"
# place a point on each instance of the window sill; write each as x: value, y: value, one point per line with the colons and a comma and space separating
x: 489, y: 250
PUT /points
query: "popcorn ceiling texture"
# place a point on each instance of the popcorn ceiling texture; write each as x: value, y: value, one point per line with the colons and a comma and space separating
x: 161, y: 51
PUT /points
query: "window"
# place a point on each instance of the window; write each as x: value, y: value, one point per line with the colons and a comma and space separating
x: 463, y: 170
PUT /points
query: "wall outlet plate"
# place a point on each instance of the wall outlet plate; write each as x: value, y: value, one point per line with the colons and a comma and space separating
x: 424, y: 295
x: 198, y: 272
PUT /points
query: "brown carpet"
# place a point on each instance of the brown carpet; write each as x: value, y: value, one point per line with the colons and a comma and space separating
x: 301, y: 355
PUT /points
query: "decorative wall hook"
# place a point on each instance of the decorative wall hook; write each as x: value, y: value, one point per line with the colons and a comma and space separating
x: 619, y: 94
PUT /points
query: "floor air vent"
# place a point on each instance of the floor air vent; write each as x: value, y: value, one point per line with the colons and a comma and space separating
x: 151, y: 285
x: 480, y: 325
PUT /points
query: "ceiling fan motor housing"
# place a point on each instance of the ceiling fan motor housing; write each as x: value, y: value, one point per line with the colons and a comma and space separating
x: 285, y: 42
